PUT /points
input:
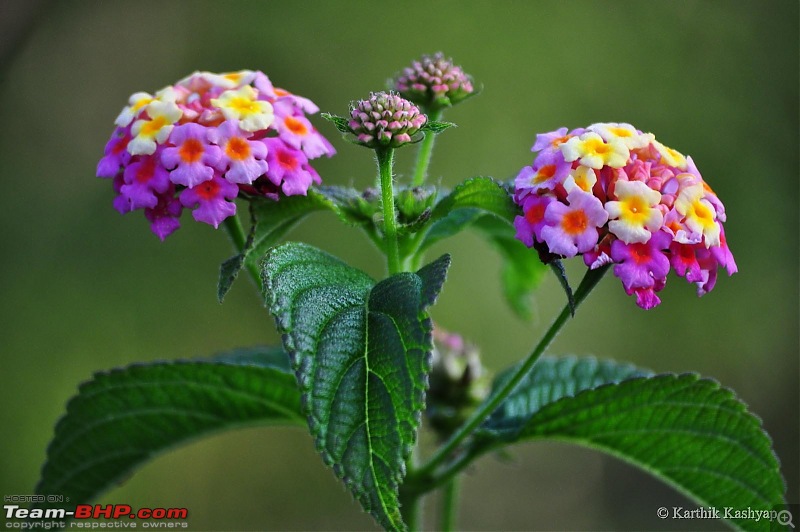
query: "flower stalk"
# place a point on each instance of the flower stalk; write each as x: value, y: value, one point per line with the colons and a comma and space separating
x: 385, y: 158
x: 480, y: 415
x: 425, y: 151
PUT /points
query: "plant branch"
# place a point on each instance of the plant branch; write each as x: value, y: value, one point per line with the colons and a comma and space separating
x: 425, y: 150
x: 444, y: 452
x: 450, y: 505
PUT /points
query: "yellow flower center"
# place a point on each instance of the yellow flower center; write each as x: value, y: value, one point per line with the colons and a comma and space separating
x: 244, y: 105
x: 153, y: 126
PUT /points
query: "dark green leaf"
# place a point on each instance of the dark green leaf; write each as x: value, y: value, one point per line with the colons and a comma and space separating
x: 478, y: 192
x: 124, y: 417
x: 228, y: 272
x: 341, y: 123
x: 361, y: 353
x: 551, y: 379
x: 450, y: 225
x: 685, y: 430
x: 436, y: 127
x: 466, y: 203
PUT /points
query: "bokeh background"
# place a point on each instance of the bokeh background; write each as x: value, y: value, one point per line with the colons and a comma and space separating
x: 84, y: 289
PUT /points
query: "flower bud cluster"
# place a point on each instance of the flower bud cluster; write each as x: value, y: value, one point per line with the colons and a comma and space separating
x: 385, y: 120
x: 207, y: 139
x: 434, y: 81
x: 458, y: 381
x: 616, y: 195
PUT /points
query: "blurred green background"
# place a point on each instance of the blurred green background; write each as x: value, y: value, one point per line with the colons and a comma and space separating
x: 84, y: 289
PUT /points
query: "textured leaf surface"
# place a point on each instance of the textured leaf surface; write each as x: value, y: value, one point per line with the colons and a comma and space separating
x: 361, y: 353
x: 125, y: 416
x: 482, y: 193
x: 340, y: 122
x: 685, y: 430
x: 437, y: 127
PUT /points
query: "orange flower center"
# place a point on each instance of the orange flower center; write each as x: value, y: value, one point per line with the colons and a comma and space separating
x: 237, y: 149
x: 575, y: 222
x: 560, y: 140
x: 295, y: 126
x: 545, y: 172
x: 191, y: 151
x: 535, y: 214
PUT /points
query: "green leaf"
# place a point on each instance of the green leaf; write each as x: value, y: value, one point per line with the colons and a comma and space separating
x: 551, y: 379
x: 480, y: 192
x: 361, y: 352
x: 436, y: 127
x: 450, y: 225
x: 687, y: 431
x: 123, y: 417
x: 341, y: 123
x: 487, y: 205
x: 228, y: 272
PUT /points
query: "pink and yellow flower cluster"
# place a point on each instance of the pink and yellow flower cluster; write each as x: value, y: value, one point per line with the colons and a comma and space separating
x: 616, y: 195
x: 204, y: 141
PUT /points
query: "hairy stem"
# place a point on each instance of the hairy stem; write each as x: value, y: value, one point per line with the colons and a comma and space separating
x: 425, y: 150
x: 446, y: 451
x: 385, y: 162
x: 235, y: 230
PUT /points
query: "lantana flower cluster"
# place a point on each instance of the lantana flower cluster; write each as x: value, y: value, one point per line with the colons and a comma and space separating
x: 616, y: 195
x: 207, y: 139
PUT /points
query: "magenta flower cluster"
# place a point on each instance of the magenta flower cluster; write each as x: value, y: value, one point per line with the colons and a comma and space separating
x: 434, y: 81
x: 202, y: 142
x: 385, y: 120
x: 616, y: 195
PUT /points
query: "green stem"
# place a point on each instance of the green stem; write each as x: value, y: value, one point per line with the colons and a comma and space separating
x: 425, y: 150
x: 450, y: 505
x: 235, y: 230
x: 385, y: 162
x: 446, y: 451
